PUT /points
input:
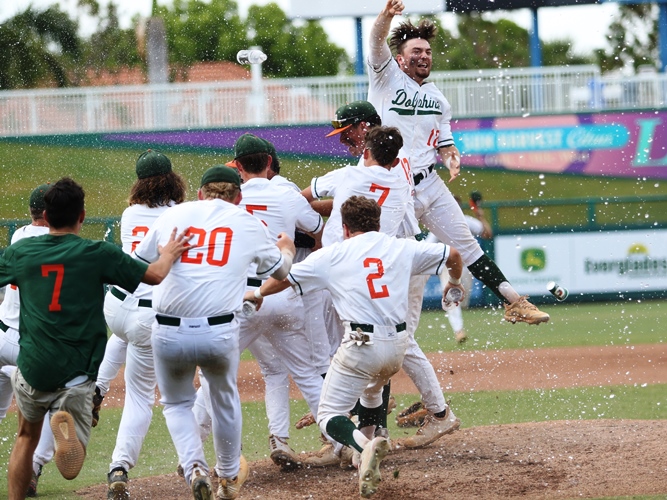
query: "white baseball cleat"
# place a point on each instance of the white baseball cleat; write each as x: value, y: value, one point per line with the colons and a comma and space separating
x: 369, y: 466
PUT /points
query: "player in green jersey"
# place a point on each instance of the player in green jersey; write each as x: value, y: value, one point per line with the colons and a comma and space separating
x: 61, y: 279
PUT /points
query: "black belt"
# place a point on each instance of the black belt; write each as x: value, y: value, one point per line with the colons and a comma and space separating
x: 421, y: 176
x: 254, y: 282
x: 212, y: 321
x: 122, y: 296
x: 369, y: 328
x: 3, y: 327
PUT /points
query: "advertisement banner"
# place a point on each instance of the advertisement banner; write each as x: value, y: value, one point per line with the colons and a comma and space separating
x: 587, y: 262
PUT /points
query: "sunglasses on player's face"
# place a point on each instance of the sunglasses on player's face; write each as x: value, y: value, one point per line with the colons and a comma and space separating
x: 344, y: 122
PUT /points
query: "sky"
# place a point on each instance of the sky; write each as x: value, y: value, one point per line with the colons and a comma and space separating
x: 584, y: 25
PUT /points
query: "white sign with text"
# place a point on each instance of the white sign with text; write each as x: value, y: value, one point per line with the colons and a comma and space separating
x: 587, y: 262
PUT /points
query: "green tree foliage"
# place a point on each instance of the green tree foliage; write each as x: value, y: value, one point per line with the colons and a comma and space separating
x: 36, y: 47
x: 483, y: 44
x: 293, y: 50
x: 203, y: 31
x: 633, y: 38
x: 110, y: 47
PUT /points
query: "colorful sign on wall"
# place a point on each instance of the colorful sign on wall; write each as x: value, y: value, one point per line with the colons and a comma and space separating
x: 588, y: 262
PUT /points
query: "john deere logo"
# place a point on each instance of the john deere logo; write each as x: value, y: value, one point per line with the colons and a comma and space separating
x: 533, y: 259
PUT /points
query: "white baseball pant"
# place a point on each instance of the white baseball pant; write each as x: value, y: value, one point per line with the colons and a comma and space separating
x: 178, y: 350
x: 114, y: 357
x: 360, y: 372
x: 133, y: 325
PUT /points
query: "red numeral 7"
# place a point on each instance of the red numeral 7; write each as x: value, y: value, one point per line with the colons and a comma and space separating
x: 257, y: 208
x: 384, y: 291
x: 59, y: 269
x: 385, y: 192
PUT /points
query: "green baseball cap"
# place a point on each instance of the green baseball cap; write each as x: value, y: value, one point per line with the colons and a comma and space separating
x: 37, y: 197
x: 249, y: 144
x: 351, y: 114
x: 151, y: 163
x: 221, y: 173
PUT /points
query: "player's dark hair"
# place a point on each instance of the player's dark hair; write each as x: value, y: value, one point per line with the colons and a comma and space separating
x: 64, y: 203
x: 158, y: 190
x: 360, y: 214
x: 384, y: 144
x: 36, y: 213
x: 426, y: 29
x: 254, y: 163
x: 275, y: 164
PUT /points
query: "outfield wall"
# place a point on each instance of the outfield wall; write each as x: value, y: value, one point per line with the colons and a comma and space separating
x: 616, y: 144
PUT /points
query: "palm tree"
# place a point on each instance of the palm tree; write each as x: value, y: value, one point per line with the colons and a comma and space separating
x: 37, y: 47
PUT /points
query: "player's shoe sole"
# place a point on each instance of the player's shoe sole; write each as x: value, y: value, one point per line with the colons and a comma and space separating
x: 70, y: 453
x: 202, y: 489
x: 369, y: 467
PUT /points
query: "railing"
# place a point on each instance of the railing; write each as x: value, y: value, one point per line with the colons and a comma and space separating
x: 482, y: 93
x: 512, y: 217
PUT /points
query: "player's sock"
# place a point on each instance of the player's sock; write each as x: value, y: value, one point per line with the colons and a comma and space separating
x: 343, y: 430
x: 386, y: 393
x: 372, y: 417
x: 486, y: 271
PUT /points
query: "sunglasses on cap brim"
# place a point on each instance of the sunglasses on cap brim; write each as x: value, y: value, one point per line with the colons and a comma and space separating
x: 338, y: 130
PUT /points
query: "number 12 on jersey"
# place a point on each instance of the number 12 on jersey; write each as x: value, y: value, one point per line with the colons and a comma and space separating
x: 371, y: 262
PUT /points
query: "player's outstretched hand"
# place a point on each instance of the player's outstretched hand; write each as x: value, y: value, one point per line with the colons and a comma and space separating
x: 250, y: 296
x: 452, y: 159
x: 286, y: 244
x: 394, y: 8
x: 176, y: 245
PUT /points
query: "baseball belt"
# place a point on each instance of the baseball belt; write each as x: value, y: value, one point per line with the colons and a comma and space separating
x: 254, y: 282
x: 3, y: 327
x: 421, y: 175
x: 212, y: 321
x: 122, y: 296
x: 369, y: 328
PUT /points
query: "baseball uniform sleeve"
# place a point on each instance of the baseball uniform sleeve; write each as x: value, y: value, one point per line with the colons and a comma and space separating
x: 267, y: 256
x: 307, y: 219
x: 428, y: 258
x: 383, y: 75
x: 121, y: 269
x: 147, y: 250
x: 312, y: 273
x: 6, y: 268
x: 326, y: 185
x: 445, y: 138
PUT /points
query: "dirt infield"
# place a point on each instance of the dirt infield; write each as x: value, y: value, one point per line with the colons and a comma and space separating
x: 567, y: 459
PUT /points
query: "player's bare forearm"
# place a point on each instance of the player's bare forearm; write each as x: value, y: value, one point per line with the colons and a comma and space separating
x: 177, y: 244
x: 322, y: 207
x: 379, y: 50
x: 269, y: 287
x: 451, y: 157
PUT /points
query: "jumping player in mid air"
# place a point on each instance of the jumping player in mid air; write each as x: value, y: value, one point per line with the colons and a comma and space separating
x: 404, y: 98
x: 367, y: 275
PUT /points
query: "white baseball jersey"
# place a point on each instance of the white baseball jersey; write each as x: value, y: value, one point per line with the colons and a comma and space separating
x: 420, y: 112
x: 11, y: 305
x: 368, y: 275
x: 210, y: 279
x: 283, y: 181
x: 387, y: 188
x: 134, y: 225
x: 279, y: 207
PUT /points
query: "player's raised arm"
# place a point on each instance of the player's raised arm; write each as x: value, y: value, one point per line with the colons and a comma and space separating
x: 286, y: 246
x: 379, y: 50
x: 157, y: 271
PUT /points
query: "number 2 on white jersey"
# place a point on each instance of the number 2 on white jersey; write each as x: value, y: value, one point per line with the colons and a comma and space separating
x: 384, y: 291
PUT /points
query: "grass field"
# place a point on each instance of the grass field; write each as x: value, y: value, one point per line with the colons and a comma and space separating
x: 572, y: 325
x: 107, y: 174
